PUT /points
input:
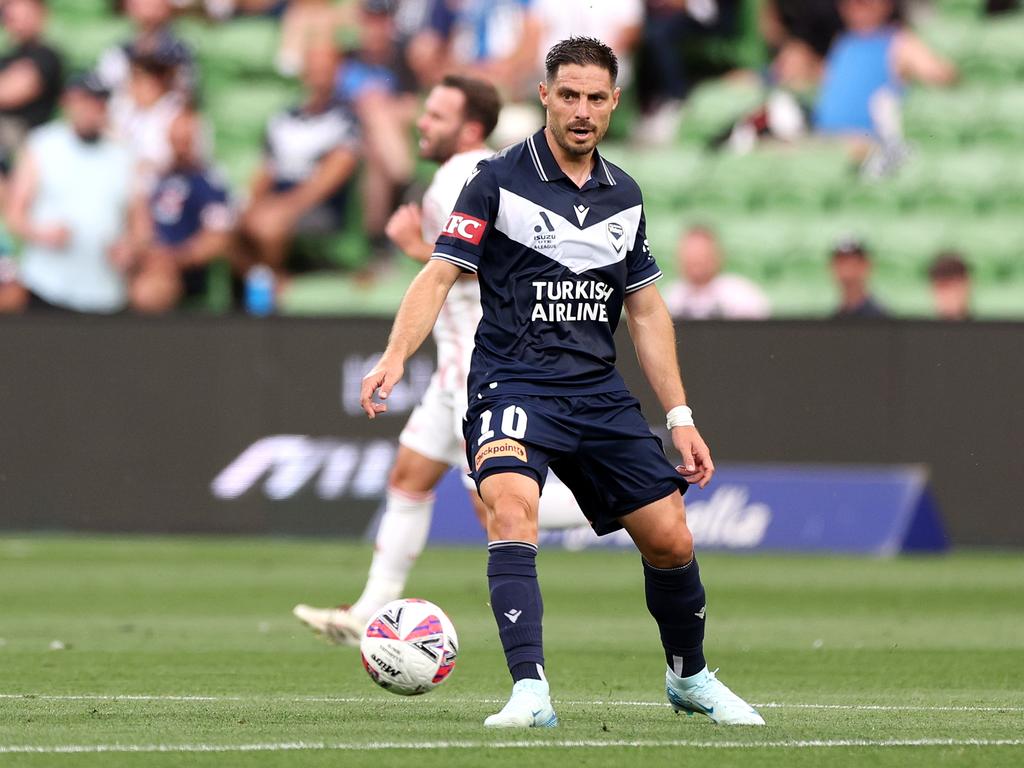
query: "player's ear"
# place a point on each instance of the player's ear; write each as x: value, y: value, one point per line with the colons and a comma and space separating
x: 472, y: 132
x: 616, y: 92
x: 542, y: 90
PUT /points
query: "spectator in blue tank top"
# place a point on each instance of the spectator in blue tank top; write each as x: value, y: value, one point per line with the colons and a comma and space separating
x: 185, y: 223
x: 867, y: 68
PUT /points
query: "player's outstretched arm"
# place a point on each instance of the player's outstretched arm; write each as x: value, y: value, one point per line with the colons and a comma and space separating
x: 654, y: 337
x: 416, y: 316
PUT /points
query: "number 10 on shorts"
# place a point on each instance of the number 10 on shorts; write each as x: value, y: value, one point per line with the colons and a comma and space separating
x: 513, y: 424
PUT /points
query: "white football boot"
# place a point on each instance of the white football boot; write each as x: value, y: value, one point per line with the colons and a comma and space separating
x: 528, y: 707
x: 338, y: 625
x: 705, y: 694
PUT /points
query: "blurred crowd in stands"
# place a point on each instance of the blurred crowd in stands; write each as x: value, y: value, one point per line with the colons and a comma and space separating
x: 111, y: 200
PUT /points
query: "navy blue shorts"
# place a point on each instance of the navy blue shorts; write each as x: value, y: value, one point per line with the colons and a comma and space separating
x: 600, y: 446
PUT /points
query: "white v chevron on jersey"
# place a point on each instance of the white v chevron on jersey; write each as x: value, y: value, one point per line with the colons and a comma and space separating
x: 551, y: 235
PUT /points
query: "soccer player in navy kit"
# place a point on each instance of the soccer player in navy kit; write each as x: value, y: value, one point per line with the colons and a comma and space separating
x: 556, y: 236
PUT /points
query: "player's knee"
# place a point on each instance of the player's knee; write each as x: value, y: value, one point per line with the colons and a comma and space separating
x: 672, y: 550
x: 512, y: 517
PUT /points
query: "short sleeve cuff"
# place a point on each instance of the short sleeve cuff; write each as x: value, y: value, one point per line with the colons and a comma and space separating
x: 455, y: 258
x: 643, y: 282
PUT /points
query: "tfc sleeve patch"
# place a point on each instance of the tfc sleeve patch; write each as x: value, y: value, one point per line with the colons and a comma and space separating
x: 465, y: 227
x: 504, y: 447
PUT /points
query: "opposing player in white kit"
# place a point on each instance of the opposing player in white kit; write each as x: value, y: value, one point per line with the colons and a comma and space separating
x: 458, y: 116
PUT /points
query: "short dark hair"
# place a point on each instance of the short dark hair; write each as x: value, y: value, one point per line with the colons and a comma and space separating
x: 483, y: 104
x: 949, y: 265
x: 582, y: 51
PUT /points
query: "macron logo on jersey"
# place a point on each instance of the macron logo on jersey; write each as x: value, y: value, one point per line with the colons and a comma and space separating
x: 465, y: 227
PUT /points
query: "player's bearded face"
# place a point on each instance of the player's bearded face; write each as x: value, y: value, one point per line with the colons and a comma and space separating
x: 440, y: 124
x: 579, y: 102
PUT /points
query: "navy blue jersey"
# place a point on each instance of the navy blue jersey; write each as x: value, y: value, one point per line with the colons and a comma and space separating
x: 185, y: 202
x: 555, y: 262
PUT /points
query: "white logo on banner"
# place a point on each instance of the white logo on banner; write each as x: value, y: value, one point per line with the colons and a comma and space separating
x: 728, y: 519
x: 334, y: 468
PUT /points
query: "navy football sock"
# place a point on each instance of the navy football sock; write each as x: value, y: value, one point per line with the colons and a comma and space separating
x: 517, y: 606
x: 675, y: 598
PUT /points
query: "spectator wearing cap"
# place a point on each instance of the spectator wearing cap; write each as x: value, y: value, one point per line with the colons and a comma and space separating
x: 851, y: 269
x: 311, y: 154
x: 184, y: 225
x: 69, y: 205
x: 141, y: 115
x: 31, y: 74
x: 705, y: 292
x: 152, y: 22
x: 950, y: 279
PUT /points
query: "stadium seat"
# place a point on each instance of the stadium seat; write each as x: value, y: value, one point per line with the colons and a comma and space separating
x: 670, y: 176
x: 245, y: 46
x: 944, y: 116
x: 82, y: 40
x: 80, y: 9
x: 715, y: 105
x: 239, y: 108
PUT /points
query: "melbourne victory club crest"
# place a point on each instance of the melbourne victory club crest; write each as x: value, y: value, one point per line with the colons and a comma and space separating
x: 616, y: 235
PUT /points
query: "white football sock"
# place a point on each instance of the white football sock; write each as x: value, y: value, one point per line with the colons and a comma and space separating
x: 400, y: 539
x: 558, y: 507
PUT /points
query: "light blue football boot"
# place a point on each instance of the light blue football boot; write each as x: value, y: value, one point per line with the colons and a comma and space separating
x: 528, y: 707
x: 705, y: 694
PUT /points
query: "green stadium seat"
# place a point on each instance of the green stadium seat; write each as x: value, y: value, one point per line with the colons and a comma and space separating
x: 960, y: 8
x: 715, y: 105
x: 944, y: 116
x: 239, y: 109
x: 1000, y: 300
x: 82, y: 40
x: 801, y: 295
x: 670, y: 176
x: 242, y: 47
x: 993, y: 245
x: 762, y: 247
x: 80, y: 9
x: 999, y: 53
x: 1003, y: 115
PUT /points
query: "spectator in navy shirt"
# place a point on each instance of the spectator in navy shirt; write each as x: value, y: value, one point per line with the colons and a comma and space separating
x: 851, y: 270
x: 186, y: 222
x: 312, y: 153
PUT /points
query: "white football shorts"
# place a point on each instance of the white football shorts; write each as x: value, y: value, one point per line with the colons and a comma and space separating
x: 434, y: 428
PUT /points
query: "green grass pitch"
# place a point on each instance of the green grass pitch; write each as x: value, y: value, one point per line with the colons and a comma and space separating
x: 184, y: 650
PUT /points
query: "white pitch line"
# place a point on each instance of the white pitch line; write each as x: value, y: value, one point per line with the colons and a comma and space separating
x: 291, y: 746
x: 464, y: 700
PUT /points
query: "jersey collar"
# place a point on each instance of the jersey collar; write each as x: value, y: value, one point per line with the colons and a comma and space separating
x: 547, y: 168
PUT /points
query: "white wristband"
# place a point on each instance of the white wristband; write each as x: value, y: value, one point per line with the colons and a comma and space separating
x: 680, y: 416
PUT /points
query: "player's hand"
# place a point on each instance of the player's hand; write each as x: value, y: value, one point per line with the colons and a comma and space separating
x: 405, y: 227
x: 697, y: 466
x: 379, y: 381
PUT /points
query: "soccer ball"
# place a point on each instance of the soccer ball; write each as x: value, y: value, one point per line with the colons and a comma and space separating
x: 409, y: 647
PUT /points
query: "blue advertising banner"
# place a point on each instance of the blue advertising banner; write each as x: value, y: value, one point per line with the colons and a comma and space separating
x: 882, y: 510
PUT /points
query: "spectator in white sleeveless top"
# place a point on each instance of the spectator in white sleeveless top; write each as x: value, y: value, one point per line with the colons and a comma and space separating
x: 704, y: 292
x: 69, y: 205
